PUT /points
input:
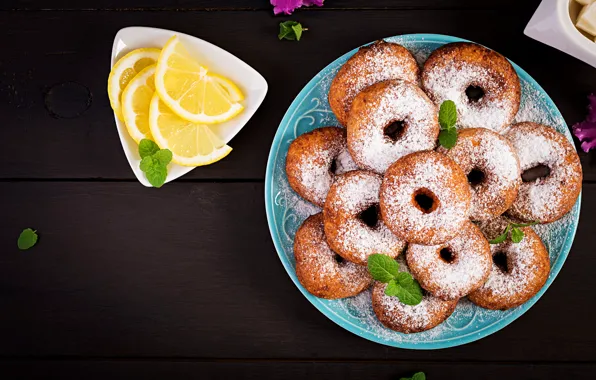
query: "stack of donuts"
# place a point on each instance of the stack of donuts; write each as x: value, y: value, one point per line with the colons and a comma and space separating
x: 386, y: 186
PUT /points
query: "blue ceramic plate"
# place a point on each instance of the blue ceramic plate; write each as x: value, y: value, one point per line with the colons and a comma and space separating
x: 286, y: 211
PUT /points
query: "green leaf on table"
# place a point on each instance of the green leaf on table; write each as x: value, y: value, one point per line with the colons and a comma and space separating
x: 147, y: 148
x: 27, y: 239
x: 447, y: 114
x: 290, y: 30
x: 382, y: 267
x: 156, y: 175
x: 416, y: 376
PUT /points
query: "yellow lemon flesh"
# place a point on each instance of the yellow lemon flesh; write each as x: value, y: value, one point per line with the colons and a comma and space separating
x: 191, y: 91
x: 125, y: 70
x: 192, y: 144
x: 136, y: 100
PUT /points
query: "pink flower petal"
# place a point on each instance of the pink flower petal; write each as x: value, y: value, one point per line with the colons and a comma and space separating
x: 288, y: 6
x: 585, y: 131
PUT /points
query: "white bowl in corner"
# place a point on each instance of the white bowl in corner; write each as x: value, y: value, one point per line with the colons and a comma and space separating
x: 553, y: 24
x: 252, y: 84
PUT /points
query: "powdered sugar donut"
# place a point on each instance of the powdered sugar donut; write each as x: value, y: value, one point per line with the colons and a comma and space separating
x: 547, y: 198
x: 353, y: 225
x: 481, y: 82
x: 492, y: 167
x: 313, y: 161
x: 425, y: 198
x: 389, y: 120
x: 519, y: 270
x: 407, y: 319
x: 320, y: 270
x: 453, y: 269
x: 374, y: 63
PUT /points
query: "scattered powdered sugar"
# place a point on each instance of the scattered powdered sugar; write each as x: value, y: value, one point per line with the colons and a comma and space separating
x: 395, y: 101
x: 350, y: 195
x: 493, y: 155
x: 494, y: 110
x: 429, y: 171
x: 451, y: 280
x: 344, y: 163
x: 541, y: 199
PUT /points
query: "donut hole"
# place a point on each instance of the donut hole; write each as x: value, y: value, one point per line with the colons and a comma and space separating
x: 476, y: 177
x: 338, y: 259
x: 500, y: 260
x: 370, y: 216
x: 535, y: 173
x: 447, y: 255
x: 395, y: 130
x: 333, y: 167
x: 474, y: 93
x: 425, y: 200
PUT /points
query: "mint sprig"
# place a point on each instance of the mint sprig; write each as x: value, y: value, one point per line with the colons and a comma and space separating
x: 447, y: 121
x: 517, y: 235
x: 416, y: 376
x: 154, y: 162
x: 290, y: 30
x: 27, y: 239
x: 399, y: 284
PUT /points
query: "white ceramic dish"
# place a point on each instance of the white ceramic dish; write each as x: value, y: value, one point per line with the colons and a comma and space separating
x: 252, y: 84
x: 553, y: 24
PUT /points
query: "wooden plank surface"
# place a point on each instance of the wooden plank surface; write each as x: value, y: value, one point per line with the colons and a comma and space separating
x: 109, y: 369
x: 59, y: 62
x: 189, y: 271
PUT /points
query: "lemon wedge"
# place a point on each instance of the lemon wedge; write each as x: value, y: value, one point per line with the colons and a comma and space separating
x: 136, y: 100
x: 192, y: 144
x: 191, y: 91
x: 124, y: 70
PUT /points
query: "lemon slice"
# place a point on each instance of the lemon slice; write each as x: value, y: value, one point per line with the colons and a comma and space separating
x: 136, y: 99
x: 190, y: 91
x: 124, y: 70
x: 192, y: 144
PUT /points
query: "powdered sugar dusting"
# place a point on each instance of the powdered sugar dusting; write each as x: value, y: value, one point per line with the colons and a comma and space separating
x: 350, y: 195
x: 492, y: 155
x: 450, y: 83
x: 386, y: 103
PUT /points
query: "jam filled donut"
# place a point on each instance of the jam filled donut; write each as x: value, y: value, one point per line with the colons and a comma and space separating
x: 453, y: 269
x: 389, y: 120
x: 407, y: 319
x: 519, y: 270
x: 313, y: 161
x: 481, y: 82
x: 425, y: 198
x: 353, y: 225
x: 320, y: 270
x: 491, y: 164
x: 371, y: 64
x: 545, y: 153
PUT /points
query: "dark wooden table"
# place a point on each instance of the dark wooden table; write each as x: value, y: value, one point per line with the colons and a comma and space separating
x: 184, y: 282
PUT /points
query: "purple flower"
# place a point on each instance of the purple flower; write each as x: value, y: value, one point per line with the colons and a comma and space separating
x: 585, y: 131
x: 288, y: 6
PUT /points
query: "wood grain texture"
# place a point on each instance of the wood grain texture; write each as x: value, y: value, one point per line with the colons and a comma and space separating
x: 45, y: 50
x: 220, y: 5
x: 109, y: 369
x: 190, y: 271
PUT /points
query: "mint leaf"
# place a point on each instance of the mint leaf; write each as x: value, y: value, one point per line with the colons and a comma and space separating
x: 419, y: 376
x: 147, y: 163
x: 391, y: 289
x: 156, y: 175
x: 448, y: 138
x: 147, y: 148
x: 409, y: 291
x: 164, y: 156
x: 404, y: 278
x: 447, y: 114
x: 27, y: 239
x: 501, y: 238
x: 290, y: 30
x: 382, y: 267
x: 517, y: 235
